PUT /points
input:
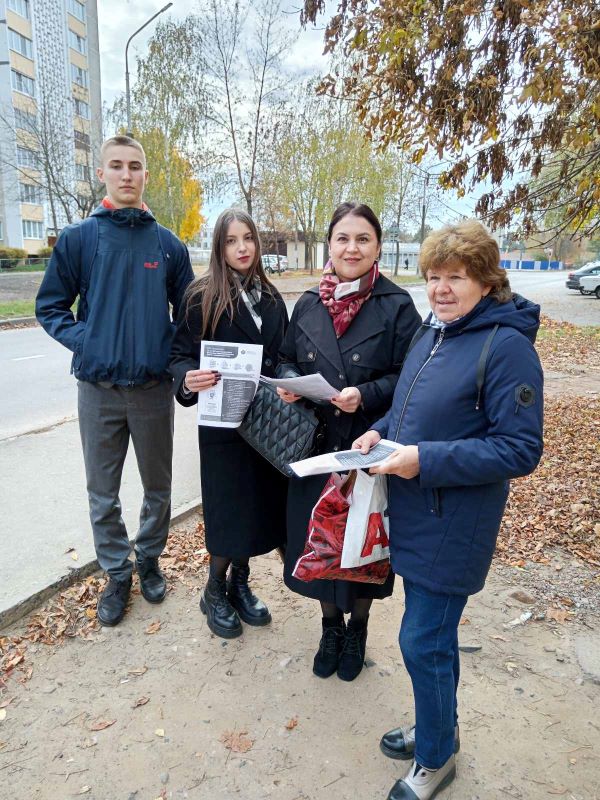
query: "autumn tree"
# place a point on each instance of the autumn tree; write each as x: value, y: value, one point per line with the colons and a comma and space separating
x: 500, y: 89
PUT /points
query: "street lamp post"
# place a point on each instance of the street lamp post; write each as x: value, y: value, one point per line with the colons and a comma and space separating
x: 127, y: 97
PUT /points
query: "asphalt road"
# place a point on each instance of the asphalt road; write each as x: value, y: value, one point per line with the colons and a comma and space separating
x: 43, y: 495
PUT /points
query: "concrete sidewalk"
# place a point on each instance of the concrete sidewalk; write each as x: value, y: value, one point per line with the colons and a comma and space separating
x: 45, y: 534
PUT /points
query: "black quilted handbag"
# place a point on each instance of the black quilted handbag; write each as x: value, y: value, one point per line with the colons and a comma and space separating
x: 281, y: 432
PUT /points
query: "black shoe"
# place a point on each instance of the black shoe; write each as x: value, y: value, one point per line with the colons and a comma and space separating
x: 113, y: 602
x: 249, y: 607
x: 328, y: 655
x: 399, y: 743
x: 221, y: 616
x: 152, y: 581
x: 354, y: 645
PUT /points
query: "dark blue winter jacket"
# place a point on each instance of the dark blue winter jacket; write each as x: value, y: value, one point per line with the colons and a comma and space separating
x: 444, y: 523
x: 123, y: 330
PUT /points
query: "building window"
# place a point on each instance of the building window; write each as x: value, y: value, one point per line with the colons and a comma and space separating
x: 20, y: 44
x: 22, y: 83
x: 30, y: 193
x: 77, y: 42
x: 77, y: 9
x: 82, y: 172
x: 79, y: 76
x: 25, y: 120
x: 26, y: 157
x: 32, y: 229
x: 81, y: 108
x: 20, y: 6
x: 82, y: 140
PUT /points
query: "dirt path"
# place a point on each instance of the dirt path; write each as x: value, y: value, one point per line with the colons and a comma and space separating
x: 528, y: 725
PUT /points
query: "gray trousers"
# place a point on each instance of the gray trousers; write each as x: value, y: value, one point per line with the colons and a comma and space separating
x: 108, y: 417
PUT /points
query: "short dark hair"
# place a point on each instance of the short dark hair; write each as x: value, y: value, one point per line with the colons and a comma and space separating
x: 355, y: 210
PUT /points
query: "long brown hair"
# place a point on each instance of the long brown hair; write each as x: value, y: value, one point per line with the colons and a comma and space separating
x: 216, y: 292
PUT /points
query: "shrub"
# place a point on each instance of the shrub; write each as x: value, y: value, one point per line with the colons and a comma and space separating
x: 44, y: 252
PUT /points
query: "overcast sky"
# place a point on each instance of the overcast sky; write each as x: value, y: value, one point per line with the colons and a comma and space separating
x: 118, y: 19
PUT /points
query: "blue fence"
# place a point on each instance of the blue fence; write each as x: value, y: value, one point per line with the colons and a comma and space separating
x: 516, y: 263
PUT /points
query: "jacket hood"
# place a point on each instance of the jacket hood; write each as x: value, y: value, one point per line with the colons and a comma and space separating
x: 125, y: 216
x: 519, y: 313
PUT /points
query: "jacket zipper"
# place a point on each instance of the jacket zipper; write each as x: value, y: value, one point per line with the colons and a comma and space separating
x: 132, y: 310
x: 416, y: 378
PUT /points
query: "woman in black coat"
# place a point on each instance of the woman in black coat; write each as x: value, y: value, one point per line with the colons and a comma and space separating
x: 354, y: 328
x: 243, y: 496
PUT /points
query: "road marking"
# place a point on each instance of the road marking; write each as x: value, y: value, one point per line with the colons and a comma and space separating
x: 27, y: 358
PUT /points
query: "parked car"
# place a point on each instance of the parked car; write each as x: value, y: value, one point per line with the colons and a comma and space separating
x: 590, y: 284
x: 273, y: 263
x: 573, y: 278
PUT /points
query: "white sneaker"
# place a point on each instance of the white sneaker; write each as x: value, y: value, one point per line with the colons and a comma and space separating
x: 423, y: 784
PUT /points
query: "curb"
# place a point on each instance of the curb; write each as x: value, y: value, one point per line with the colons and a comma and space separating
x: 14, y: 322
x: 29, y: 604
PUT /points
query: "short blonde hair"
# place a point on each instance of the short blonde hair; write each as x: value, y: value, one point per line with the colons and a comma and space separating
x: 128, y: 141
x: 470, y: 243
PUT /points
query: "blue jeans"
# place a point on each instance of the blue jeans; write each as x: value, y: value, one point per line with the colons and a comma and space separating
x: 429, y: 644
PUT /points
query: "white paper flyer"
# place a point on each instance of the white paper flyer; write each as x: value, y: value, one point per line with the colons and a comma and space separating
x: 225, y: 404
x: 345, y: 460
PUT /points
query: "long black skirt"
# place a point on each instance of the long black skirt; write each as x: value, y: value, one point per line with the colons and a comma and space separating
x: 303, y: 494
x: 243, y: 497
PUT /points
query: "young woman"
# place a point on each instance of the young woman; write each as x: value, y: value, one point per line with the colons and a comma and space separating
x: 354, y: 328
x: 243, y: 496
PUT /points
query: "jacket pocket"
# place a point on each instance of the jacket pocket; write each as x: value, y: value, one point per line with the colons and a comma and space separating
x: 433, y: 501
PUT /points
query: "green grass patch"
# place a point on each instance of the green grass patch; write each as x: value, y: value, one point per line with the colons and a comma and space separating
x: 38, y: 267
x: 17, y: 308
x: 405, y: 278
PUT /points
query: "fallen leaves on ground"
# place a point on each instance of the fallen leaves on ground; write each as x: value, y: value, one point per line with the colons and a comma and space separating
x: 236, y: 741
x: 102, y: 724
x: 557, y: 506
x: 291, y: 723
x: 141, y: 701
x: 565, y: 347
x: 73, y: 612
x: 154, y: 627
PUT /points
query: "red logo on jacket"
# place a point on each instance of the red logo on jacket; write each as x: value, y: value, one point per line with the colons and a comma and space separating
x: 151, y: 264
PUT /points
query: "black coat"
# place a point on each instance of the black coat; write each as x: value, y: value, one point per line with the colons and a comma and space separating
x: 369, y: 356
x: 243, y: 496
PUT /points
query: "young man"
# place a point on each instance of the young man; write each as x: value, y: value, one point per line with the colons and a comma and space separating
x: 126, y: 269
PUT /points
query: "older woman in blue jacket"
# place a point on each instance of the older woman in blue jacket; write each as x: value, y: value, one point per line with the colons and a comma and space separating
x: 467, y: 411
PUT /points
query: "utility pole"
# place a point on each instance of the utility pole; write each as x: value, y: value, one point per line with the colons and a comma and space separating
x: 127, y: 96
x: 423, y: 208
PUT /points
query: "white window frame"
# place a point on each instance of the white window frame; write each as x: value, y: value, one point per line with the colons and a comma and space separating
x: 29, y: 161
x: 35, y: 197
x: 76, y: 73
x: 18, y: 80
x: 83, y: 173
x: 36, y: 227
x: 77, y: 9
x: 81, y: 108
x: 77, y: 42
x: 31, y: 121
x: 20, y: 7
x: 20, y: 44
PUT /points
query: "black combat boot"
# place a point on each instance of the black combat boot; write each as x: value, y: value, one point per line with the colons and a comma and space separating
x: 221, y: 617
x: 354, y: 645
x: 113, y: 602
x: 328, y: 655
x: 152, y: 581
x: 252, y: 610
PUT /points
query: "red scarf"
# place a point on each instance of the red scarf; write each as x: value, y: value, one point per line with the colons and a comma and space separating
x: 107, y: 204
x: 344, y: 300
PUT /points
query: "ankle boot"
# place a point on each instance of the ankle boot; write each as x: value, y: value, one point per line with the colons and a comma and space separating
x: 354, y: 645
x: 221, y: 617
x: 328, y: 655
x: 423, y: 784
x: 252, y: 610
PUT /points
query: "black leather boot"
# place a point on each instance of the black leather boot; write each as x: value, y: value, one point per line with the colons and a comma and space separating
x: 221, y: 617
x: 354, y: 645
x: 152, y: 581
x: 113, y: 602
x: 252, y: 610
x: 328, y: 655
x: 400, y: 743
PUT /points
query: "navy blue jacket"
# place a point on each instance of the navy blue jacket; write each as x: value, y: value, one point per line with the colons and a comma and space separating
x: 444, y: 523
x: 124, y: 329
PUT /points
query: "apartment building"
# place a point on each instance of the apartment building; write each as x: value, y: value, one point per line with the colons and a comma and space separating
x: 50, y: 116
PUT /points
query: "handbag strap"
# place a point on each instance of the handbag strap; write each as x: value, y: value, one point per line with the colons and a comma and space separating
x: 348, y: 485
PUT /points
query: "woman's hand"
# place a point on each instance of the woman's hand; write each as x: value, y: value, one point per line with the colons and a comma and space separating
x: 404, y: 463
x: 288, y: 397
x: 347, y: 400
x: 365, y: 442
x: 198, y: 380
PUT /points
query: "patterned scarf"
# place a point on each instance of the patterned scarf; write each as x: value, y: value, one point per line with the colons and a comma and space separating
x: 250, y: 292
x: 344, y: 300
